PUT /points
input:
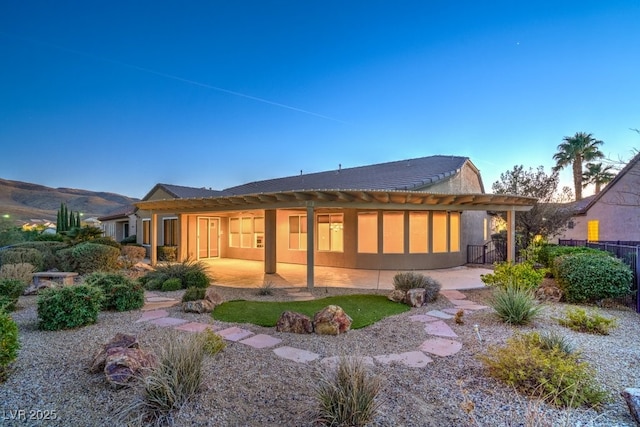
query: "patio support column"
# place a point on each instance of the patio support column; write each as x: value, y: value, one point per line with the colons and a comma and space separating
x: 183, y: 247
x: 511, y: 235
x: 270, y: 258
x: 310, y: 244
x: 154, y: 238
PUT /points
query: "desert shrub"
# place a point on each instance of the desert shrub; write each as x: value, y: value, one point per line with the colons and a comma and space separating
x: 514, y: 305
x: 554, y: 340
x: 106, y: 241
x: 169, y: 385
x: 10, y: 291
x: 65, y: 260
x: 172, y: 284
x: 90, y: 257
x: 9, y: 343
x: 508, y: 274
x: 129, y: 240
x: 48, y: 250
x: 549, y: 252
x: 22, y: 271
x: 132, y: 254
x: 18, y: 255
x: 348, y: 398
x: 412, y: 280
x: 193, y: 294
x: 69, y: 306
x: 586, y: 277
x: 191, y: 273
x: 266, y: 288
x: 167, y: 253
x: 559, y: 378
x: 594, y: 323
x: 49, y: 237
x: 121, y: 293
x: 212, y: 343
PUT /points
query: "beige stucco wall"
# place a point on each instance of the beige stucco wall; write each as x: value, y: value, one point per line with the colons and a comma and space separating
x: 467, y: 180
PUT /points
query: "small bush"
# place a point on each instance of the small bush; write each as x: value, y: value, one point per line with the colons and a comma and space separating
x: 189, y: 272
x: 560, y: 378
x: 266, y: 289
x: 9, y: 343
x: 593, y: 323
x: 549, y: 252
x: 132, y: 254
x: 514, y: 305
x: 90, y: 257
x: 19, y: 255
x: 212, y: 343
x: 106, y: 241
x: 129, y: 240
x: 349, y: 397
x: 48, y: 249
x: 196, y: 279
x: 22, y: 271
x: 10, y: 291
x: 69, y: 306
x: 193, y: 294
x: 554, y: 340
x: 172, y: 284
x: 507, y: 274
x: 167, y: 253
x: 121, y: 293
x: 411, y: 280
x: 586, y: 277
x: 170, y: 384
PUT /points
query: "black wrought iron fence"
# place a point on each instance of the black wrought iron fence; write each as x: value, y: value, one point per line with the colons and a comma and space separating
x: 626, y: 251
x: 489, y: 253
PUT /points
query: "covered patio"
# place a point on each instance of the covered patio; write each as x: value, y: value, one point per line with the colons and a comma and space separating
x: 250, y: 274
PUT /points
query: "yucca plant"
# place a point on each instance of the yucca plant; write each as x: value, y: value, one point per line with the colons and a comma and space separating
x: 515, y: 305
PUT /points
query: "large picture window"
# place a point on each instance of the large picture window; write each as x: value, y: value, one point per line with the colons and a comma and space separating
x: 170, y: 231
x: 439, y: 232
x: 393, y: 232
x: 418, y: 232
x: 330, y: 232
x: 368, y: 232
x: 298, y: 232
x: 454, y: 231
x: 246, y: 232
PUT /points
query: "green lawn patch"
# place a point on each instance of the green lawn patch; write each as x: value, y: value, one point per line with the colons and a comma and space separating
x: 363, y: 309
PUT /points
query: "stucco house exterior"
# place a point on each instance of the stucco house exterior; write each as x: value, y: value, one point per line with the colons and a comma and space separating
x: 613, y: 214
x: 411, y: 214
x: 120, y: 223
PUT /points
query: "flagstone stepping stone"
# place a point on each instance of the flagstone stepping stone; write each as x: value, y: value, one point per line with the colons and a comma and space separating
x: 298, y: 295
x: 439, y: 314
x: 234, y: 333
x: 472, y: 307
x: 422, y: 318
x: 440, y: 329
x: 441, y: 346
x: 148, y: 294
x: 156, y: 303
x: 412, y: 359
x: 333, y: 361
x: 296, y: 354
x: 261, y: 341
x: 452, y: 294
x: 159, y: 299
x: 167, y: 321
x: 196, y: 327
x: 152, y: 315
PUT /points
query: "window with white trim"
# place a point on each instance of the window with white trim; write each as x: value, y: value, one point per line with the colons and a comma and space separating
x: 330, y: 232
x: 246, y: 232
x: 368, y: 232
x: 298, y: 232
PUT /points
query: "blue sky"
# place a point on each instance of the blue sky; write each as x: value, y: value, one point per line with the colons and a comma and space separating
x: 118, y: 96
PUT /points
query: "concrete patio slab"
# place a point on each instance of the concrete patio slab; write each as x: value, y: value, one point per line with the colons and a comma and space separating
x: 196, y: 327
x: 296, y: 354
x: 413, y: 359
x: 333, y: 361
x: 452, y: 294
x: 468, y: 305
x: 261, y: 341
x: 234, y: 333
x: 152, y: 315
x: 167, y: 321
x: 440, y: 329
x: 441, y: 346
x: 422, y: 318
x: 439, y: 314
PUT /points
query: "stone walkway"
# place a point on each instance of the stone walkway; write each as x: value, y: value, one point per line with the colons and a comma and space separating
x: 441, y: 339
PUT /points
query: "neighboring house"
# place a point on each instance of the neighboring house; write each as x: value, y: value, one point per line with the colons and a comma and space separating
x: 120, y: 223
x: 613, y: 214
x: 410, y: 214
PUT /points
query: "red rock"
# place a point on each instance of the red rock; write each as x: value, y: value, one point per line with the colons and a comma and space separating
x: 331, y: 320
x: 297, y: 323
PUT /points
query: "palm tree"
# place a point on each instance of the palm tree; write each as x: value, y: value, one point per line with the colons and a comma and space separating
x: 598, y: 175
x: 575, y: 151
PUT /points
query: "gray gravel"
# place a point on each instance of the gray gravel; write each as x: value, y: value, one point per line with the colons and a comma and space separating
x: 244, y: 386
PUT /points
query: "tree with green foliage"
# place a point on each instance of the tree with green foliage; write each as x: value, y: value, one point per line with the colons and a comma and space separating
x: 575, y: 151
x: 598, y: 175
x: 548, y: 217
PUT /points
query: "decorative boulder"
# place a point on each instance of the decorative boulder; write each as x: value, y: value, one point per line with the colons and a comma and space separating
x: 331, y: 320
x: 125, y: 364
x: 213, y: 297
x: 118, y: 341
x: 297, y: 323
x: 415, y: 297
x: 199, y: 306
x: 397, y: 295
x: 632, y: 397
x: 34, y: 288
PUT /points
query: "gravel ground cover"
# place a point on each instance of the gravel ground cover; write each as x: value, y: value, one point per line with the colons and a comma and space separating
x: 245, y: 386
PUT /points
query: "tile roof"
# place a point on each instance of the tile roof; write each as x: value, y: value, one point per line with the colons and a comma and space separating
x: 182, y: 192
x: 118, y: 213
x: 411, y: 174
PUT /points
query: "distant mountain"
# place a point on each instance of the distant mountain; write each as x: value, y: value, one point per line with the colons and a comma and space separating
x: 24, y: 201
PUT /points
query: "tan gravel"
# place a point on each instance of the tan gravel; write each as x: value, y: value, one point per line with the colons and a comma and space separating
x: 245, y: 386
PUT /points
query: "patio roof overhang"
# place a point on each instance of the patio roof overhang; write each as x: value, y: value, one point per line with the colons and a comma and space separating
x: 365, y: 199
